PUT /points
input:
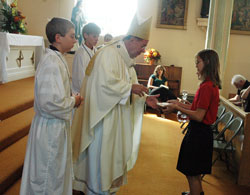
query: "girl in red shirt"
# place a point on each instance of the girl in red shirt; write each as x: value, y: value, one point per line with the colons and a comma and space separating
x: 195, y: 157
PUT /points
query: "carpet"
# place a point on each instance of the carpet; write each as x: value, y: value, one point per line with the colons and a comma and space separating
x: 16, y: 96
x: 155, y: 170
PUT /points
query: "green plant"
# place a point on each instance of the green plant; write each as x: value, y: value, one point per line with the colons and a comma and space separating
x: 13, y: 20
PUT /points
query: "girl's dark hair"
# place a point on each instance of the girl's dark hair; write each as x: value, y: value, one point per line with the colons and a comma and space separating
x: 211, y: 68
x: 159, y: 67
x: 58, y: 26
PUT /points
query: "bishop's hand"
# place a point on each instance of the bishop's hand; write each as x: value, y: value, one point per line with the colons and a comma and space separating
x: 152, y: 101
x: 139, y: 89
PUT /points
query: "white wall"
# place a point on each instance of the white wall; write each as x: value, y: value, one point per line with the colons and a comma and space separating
x: 238, y: 61
x: 38, y: 12
x: 177, y: 47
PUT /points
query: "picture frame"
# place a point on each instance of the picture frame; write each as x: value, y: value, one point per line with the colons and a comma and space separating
x: 172, y: 14
x: 241, y: 17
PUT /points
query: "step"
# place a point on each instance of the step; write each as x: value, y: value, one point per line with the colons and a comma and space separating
x: 11, y: 165
x: 14, y: 189
x: 15, y: 127
x: 16, y: 96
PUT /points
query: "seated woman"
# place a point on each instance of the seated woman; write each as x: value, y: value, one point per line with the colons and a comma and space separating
x: 157, y: 78
x: 158, y: 84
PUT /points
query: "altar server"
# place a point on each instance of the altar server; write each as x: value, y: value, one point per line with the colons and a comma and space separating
x: 85, y: 52
x: 48, y: 163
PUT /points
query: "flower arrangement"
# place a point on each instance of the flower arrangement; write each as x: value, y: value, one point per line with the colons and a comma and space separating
x: 12, y: 18
x: 152, y: 55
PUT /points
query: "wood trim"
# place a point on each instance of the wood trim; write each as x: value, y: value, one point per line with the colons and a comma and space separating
x: 244, y: 168
x: 235, y: 109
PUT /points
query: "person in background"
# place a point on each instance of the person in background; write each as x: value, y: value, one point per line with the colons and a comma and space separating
x: 78, y: 20
x: 107, y: 129
x: 195, y: 156
x: 245, y: 95
x: 240, y: 82
x: 107, y: 38
x: 158, y: 84
x: 48, y: 161
x: 83, y: 55
x: 157, y: 78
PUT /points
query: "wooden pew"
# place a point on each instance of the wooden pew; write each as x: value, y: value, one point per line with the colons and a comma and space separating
x: 242, y: 145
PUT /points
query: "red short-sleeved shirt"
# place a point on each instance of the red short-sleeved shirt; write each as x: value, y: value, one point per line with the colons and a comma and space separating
x: 207, y: 97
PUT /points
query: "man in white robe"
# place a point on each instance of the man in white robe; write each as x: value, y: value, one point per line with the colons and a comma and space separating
x: 83, y: 55
x: 48, y: 161
x: 106, y: 130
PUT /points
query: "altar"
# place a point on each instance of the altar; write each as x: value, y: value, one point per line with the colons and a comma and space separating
x: 19, y: 55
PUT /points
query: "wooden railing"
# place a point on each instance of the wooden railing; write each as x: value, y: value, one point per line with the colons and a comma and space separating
x: 242, y: 143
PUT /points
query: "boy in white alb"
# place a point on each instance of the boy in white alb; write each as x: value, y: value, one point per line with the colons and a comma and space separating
x: 48, y: 163
x: 83, y: 55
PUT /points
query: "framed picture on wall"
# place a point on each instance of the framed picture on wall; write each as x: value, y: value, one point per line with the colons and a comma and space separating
x: 241, y: 17
x: 172, y: 14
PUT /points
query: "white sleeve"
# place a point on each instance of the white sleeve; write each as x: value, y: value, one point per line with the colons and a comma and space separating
x: 125, y: 99
x: 53, y: 92
x: 78, y: 71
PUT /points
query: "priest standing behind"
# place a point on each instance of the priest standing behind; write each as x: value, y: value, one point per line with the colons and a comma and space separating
x: 106, y: 130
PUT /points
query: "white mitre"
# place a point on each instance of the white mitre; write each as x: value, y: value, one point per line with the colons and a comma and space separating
x: 140, y: 27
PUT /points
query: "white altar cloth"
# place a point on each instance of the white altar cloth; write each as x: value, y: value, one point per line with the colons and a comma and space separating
x: 9, y: 39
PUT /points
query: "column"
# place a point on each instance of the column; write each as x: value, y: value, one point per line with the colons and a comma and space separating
x: 218, y: 31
